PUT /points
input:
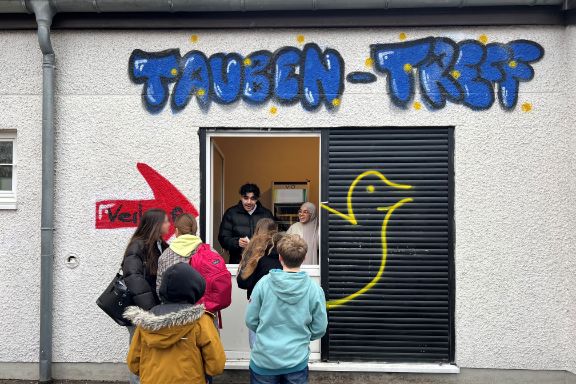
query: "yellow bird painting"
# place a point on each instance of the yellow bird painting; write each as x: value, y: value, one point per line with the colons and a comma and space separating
x: 351, y: 218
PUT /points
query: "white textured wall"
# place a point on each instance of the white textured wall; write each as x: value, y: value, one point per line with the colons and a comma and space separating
x: 514, y: 184
x: 570, y: 237
x: 20, y: 106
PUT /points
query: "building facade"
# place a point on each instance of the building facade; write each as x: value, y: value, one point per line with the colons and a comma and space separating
x: 464, y: 134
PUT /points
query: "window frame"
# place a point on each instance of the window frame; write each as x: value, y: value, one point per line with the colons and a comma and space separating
x: 206, y: 134
x: 8, y: 199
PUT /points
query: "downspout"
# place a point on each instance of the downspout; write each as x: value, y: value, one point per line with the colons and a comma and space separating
x: 44, y: 13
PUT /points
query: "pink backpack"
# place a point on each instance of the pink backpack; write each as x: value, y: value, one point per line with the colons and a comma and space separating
x: 211, y: 266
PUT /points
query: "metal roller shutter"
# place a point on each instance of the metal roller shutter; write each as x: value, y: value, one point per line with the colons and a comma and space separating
x: 407, y: 315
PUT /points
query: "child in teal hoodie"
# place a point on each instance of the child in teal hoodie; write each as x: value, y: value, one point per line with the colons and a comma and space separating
x: 287, y: 310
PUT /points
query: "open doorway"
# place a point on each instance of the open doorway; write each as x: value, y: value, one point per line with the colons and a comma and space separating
x: 286, y: 167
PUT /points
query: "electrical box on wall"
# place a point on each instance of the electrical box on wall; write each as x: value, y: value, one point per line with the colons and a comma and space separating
x: 287, y: 197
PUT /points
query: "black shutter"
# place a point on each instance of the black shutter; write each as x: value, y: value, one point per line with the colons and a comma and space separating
x: 408, y: 315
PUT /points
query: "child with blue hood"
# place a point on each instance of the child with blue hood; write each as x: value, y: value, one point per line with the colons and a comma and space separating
x: 287, y: 310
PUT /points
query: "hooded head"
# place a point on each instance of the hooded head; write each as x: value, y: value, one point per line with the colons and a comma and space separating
x: 290, y: 287
x: 182, y: 284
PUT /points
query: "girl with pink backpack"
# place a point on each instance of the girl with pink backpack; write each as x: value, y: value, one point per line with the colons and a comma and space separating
x: 187, y: 247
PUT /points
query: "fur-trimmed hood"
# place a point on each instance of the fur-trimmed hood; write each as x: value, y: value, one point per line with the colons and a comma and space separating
x: 163, y: 328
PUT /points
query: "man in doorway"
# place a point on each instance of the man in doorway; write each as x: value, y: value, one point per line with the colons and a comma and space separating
x: 239, y: 222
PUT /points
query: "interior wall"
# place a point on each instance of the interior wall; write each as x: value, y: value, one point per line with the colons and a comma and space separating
x: 267, y: 159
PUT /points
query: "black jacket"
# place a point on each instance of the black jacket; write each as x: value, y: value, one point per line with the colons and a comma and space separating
x: 265, y: 264
x: 237, y: 223
x: 141, y: 284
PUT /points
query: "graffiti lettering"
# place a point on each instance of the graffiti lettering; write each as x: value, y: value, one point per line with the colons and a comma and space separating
x: 469, y: 73
x: 398, y: 62
x: 125, y: 217
x: 310, y: 76
x: 155, y: 71
x: 464, y: 73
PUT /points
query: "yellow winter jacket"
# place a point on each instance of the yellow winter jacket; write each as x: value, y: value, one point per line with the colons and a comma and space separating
x: 174, y: 344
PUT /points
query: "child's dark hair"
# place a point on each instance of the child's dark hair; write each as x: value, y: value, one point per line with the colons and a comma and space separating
x: 293, y: 250
x: 250, y: 188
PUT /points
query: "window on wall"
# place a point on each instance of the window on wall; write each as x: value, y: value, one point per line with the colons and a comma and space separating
x: 7, y: 170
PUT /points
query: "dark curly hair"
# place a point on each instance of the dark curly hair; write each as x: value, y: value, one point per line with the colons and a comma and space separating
x: 248, y: 187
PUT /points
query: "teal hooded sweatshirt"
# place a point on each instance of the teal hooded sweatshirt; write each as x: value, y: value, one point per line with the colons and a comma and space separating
x: 286, y: 310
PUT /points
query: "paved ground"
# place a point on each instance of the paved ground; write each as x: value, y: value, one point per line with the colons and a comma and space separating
x: 60, y: 382
x: 235, y: 377
x: 467, y: 376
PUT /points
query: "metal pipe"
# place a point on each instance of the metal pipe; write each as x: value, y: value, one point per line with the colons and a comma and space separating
x: 44, y: 14
x: 20, y: 6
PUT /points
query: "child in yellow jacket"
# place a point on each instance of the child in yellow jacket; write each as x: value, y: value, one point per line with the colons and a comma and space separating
x: 176, y: 341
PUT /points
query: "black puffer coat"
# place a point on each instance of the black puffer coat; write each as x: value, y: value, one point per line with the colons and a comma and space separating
x: 140, y: 283
x: 237, y: 223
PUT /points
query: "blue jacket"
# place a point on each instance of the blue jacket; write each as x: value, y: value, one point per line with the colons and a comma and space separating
x: 286, y: 310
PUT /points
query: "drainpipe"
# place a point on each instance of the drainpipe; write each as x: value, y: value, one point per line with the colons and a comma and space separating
x: 44, y: 13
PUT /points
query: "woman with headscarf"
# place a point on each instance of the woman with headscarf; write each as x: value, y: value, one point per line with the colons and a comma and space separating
x: 307, y: 228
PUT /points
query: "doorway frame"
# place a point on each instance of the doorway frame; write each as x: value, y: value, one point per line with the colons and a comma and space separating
x: 206, y: 220
x: 205, y: 134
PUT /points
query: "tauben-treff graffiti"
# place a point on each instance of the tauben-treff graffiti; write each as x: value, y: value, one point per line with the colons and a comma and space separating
x: 469, y: 72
